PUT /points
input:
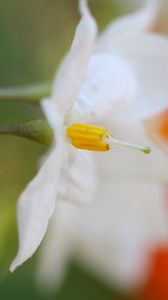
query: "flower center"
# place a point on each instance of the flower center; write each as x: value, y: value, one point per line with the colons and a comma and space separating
x: 96, y: 138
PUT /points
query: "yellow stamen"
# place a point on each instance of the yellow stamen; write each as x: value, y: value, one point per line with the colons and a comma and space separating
x: 96, y: 138
x: 89, y: 137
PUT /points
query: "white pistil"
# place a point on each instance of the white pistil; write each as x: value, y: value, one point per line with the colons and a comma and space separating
x: 111, y: 141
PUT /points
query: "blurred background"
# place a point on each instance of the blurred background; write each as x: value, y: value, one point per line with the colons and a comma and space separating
x: 34, y: 35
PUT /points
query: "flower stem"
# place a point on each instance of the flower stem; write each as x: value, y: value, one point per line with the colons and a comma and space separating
x: 38, y: 131
x: 32, y: 93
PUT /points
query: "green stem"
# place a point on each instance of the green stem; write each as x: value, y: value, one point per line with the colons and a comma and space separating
x: 38, y: 131
x: 31, y: 93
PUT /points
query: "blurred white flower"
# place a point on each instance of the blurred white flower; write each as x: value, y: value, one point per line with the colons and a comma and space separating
x: 125, y: 89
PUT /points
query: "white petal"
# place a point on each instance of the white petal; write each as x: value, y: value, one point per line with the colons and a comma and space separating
x: 78, y: 184
x: 36, y: 205
x: 148, y: 55
x: 138, y: 21
x: 55, y: 121
x: 56, y: 250
x: 72, y: 71
x: 78, y: 177
x: 110, y: 84
x: 115, y: 233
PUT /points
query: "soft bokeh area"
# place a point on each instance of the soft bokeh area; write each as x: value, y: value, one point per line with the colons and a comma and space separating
x: 34, y: 36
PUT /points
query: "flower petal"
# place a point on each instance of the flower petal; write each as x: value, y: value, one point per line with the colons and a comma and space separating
x: 157, y: 128
x: 56, y: 251
x: 113, y: 234
x: 36, y: 205
x: 78, y: 184
x: 141, y: 20
x: 148, y: 55
x: 72, y: 71
x: 78, y: 177
x: 110, y: 84
x: 111, y: 237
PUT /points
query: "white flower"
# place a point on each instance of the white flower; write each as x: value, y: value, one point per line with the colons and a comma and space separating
x: 101, y: 88
x: 36, y: 203
x: 125, y: 89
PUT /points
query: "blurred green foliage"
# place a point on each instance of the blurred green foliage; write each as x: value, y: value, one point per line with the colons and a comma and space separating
x: 78, y: 285
x: 34, y: 36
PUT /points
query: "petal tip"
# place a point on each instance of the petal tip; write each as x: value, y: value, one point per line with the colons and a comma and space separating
x: 14, y: 265
x: 85, y: 13
x: 19, y: 260
x: 12, y: 268
x: 83, y: 7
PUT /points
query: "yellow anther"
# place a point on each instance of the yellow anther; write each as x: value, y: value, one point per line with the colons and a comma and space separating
x: 88, y: 137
